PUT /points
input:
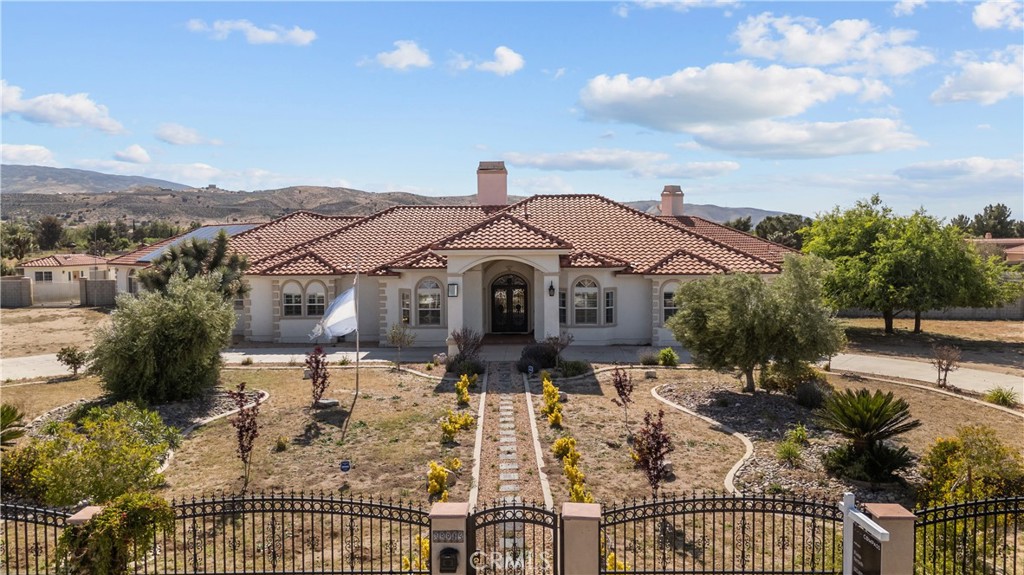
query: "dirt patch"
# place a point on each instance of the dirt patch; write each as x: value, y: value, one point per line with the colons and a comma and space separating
x: 988, y: 345
x: 40, y: 330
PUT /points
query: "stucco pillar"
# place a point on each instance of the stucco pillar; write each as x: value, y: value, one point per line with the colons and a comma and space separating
x: 456, y: 308
x: 448, y: 531
x: 550, y: 327
x: 898, y: 551
x: 580, y: 540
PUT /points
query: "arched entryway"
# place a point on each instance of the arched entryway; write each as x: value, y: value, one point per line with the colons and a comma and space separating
x: 509, y: 305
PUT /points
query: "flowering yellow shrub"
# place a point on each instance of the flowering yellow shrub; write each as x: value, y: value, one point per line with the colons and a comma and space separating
x: 612, y: 563
x: 418, y: 562
x: 452, y: 423
x: 437, y: 482
x: 563, y: 445
x: 565, y: 449
x: 462, y: 389
x: 552, y: 407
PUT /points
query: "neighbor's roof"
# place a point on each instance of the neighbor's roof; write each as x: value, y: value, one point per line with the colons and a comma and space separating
x: 593, y: 230
x: 65, y: 260
x: 146, y: 255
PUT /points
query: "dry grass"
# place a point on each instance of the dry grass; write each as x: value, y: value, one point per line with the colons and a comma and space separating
x: 40, y: 330
x: 992, y: 345
x: 390, y: 436
x: 35, y: 399
x: 702, y: 455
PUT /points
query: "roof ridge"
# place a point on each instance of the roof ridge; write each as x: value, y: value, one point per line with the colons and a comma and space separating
x: 756, y: 237
x: 302, y: 255
x: 684, y: 251
x: 495, y: 218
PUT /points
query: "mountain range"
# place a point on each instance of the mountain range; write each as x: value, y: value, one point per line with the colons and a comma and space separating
x: 83, y: 196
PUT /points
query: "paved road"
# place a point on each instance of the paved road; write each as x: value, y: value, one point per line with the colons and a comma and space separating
x: 40, y: 366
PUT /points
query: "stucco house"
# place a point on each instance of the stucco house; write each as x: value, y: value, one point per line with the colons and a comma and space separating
x: 580, y: 263
x: 55, y: 278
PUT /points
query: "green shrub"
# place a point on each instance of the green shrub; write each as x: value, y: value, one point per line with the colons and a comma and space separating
x: 281, y: 444
x: 162, y: 348
x: 797, y: 434
x: 470, y: 367
x: 114, y: 451
x: 789, y: 452
x: 668, y: 357
x: 541, y: 355
x: 866, y: 419
x: 1003, y: 396
x: 785, y: 377
x: 574, y: 368
x: 974, y: 464
x: 810, y: 394
x: 12, y: 426
x: 16, y: 466
x: 247, y: 361
x: 648, y: 358
x: 877, y: 464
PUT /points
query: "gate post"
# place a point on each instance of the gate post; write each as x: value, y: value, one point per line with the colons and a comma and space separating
x: 898, y: 551
x: 581, y: 541
x: 448, y: 533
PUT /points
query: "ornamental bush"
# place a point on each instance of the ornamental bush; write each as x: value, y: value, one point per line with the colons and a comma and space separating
x: 452, y: 423
x: 668, y: 357
x: 164, y: 347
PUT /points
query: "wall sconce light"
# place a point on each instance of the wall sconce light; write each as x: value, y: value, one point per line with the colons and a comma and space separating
x: 453, y: 290
x: 551, y: 289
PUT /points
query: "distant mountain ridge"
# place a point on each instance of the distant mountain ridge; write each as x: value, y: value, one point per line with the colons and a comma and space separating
x: 30, y: 192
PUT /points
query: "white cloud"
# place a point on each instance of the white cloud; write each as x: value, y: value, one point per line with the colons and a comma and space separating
x: 770, y: 139
x: 855, y: 46
x: 999, y: 14
x: 275, y: 34
x: 906, y: 7
x: 506, y: 62
x: 976, y: 167
x: 984, y: 82
x: 407, y: 54
x: 459, y: 63
x: 541, y: 185
x: 179, y: 135
x: 134, y: 153
x: 623, y: 9
x: 199, y: 174
x: 687, y: 170
x: 720, y: 94
x: 26, y: 154
x: 60, y: 110
x: 555, y: 74
x: 638, y: 164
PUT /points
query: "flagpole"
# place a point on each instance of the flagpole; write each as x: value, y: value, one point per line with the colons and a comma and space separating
x: 355, y: 284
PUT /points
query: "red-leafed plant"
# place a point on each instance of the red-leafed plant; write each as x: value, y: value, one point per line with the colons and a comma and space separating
x: 316, y: 365
x: 623, y: 383
x: 650, y: 447
x: 246, y: 428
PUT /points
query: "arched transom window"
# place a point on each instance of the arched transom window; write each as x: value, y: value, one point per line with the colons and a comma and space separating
x: 585, y: 300
x: 428, y: 302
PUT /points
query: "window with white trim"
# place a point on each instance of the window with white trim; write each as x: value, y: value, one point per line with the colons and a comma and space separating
x: 428, y: 302
x: 584, y: 299
x: 609, y: 306
x: 44, y: 276
x: 316, y: 299
x: 405, y: 299
x: 668, y: 301
x: 563, y: 307
x: 133, y: 283
x: 291, y: 299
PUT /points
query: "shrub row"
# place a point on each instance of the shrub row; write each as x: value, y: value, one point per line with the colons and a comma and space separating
x: 552, y: 405
x: 565, y: 449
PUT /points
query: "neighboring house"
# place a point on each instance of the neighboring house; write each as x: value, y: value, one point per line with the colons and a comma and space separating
x: 1012, y: 249
x: 578, y: 263
x: 55, y: 278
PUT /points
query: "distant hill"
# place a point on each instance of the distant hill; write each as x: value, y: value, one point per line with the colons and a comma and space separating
x: 15, y: 179
x: 79, y: 196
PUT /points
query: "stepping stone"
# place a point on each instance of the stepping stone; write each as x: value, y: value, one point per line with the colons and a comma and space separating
x: 506, y: 432
x: 508, y: 487
x: 506, y: 439
x: 506, y: 426
x: 509, y: 466
x: 508, y: 455
x: 509, y: 477
x: 506, y: 420
x: 511, y: 447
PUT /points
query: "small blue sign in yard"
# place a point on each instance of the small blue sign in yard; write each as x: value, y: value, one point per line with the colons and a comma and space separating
x: 346, y: 465
x: 529, y: 370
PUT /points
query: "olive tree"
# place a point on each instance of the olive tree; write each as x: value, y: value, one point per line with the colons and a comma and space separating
x: 163, y: 347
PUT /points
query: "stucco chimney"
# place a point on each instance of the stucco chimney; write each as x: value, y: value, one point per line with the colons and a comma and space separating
x: 672, y: 201
x: 492, y: 184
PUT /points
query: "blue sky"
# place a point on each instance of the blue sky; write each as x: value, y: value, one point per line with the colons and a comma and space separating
x: 794, y: 106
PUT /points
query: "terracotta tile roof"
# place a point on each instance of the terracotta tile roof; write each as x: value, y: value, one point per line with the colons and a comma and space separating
x: 376, y: 240
x: 749, y: 243
x: 502, y: 232
x: 680, y: 262
x: 62, y: 260
x: 304, y: 265
x: 582, y: 259
x: 283, y: 233
x: 426, y: 259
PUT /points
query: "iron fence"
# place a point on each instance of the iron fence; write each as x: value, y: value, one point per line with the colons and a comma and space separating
x: 711, y: 533
x: 30, y: 537
x: 511, y: 537
x: 984, y: 536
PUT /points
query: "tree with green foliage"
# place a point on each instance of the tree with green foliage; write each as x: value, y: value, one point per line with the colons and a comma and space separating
x: 163, y: 347
x: 783, y: 229
x: 48, y: 232
x: 741, y: 322
x: 398, y: 337
x: 889, y: 264
x: 995, y: 220
x: 962, y: 222
x: 12, y: 425
x: 973, y: 464
x: 72, y: 357
x: 16, y: 241
x: 112, y: 451
x: 196, y: 257
x: 742, y: 224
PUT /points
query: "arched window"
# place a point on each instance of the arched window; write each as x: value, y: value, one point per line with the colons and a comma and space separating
x: 584, y: 297
x: 133, y: 283
x: 668, y: 301
x: 428, y: 302
x: 316, y: 297
x: 291, y: 299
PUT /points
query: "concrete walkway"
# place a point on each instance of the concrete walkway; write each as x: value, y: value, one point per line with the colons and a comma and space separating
x: 41, y: 366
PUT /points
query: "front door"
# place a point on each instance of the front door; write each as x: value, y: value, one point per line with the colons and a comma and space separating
x: 509, y: 305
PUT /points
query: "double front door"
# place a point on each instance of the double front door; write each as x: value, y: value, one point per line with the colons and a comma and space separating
x: 509, y: 305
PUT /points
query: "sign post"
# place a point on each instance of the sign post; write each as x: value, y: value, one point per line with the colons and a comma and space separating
x: 862, y: 540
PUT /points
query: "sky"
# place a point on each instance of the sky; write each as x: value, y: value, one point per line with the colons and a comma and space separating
x: 794, y: 106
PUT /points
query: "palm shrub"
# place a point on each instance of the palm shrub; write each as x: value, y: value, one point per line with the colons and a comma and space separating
x: 867, y: 420
x: 11, y: 425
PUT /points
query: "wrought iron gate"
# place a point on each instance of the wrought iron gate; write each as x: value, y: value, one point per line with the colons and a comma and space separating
x: 508, y: 538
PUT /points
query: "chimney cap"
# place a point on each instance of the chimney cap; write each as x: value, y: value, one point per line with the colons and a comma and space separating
x: 672, y: 190
x: 491, y: 167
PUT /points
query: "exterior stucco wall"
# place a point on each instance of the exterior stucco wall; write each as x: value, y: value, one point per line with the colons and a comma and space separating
x: 632, y: 321
x: 390, y: 289
x: 63, y: 274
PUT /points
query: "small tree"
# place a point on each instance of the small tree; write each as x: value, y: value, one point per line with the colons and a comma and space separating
x: 12, y: 425
x: 623, y: 383
x: 399, y: 336
x: 72, y: 357
x: 559, y: 343
x: 246, y: 428
x: 945, y: 360
x: 468, y: 341
x: 651, y: 446
x: 316, y: 364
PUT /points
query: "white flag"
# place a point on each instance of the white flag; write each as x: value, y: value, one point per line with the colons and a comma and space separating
x: 339, y: 318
